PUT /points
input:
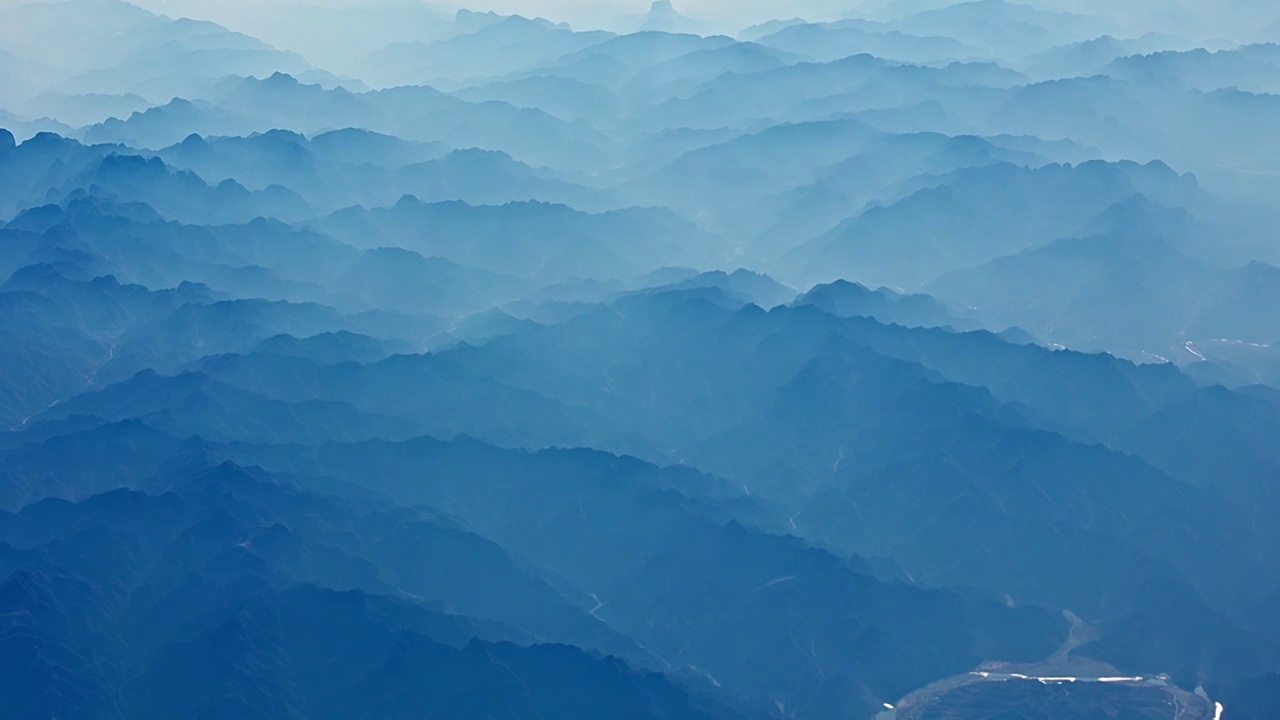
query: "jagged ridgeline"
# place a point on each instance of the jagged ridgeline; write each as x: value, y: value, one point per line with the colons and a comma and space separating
x: 893, y: 360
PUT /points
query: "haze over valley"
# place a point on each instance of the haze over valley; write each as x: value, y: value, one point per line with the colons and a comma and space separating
x: 904, y: 359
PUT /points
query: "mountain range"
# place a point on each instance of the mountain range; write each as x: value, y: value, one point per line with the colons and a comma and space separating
x: 392, y: 360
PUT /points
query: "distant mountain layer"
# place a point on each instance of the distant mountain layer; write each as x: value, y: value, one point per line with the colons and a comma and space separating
x: 111, y: 46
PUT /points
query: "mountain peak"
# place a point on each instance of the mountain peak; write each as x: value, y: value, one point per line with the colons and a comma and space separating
x: 664, y: 17
x: 281, y: 78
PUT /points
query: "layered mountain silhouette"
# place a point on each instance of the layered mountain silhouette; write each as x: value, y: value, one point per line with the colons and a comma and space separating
x: 720, y: 361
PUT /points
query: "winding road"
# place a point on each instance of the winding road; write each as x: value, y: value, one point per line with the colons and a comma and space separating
x: 1060, y: 668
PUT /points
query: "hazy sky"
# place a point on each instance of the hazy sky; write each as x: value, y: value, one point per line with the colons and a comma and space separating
x: 1192, y: 17
x: 737, y: 13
